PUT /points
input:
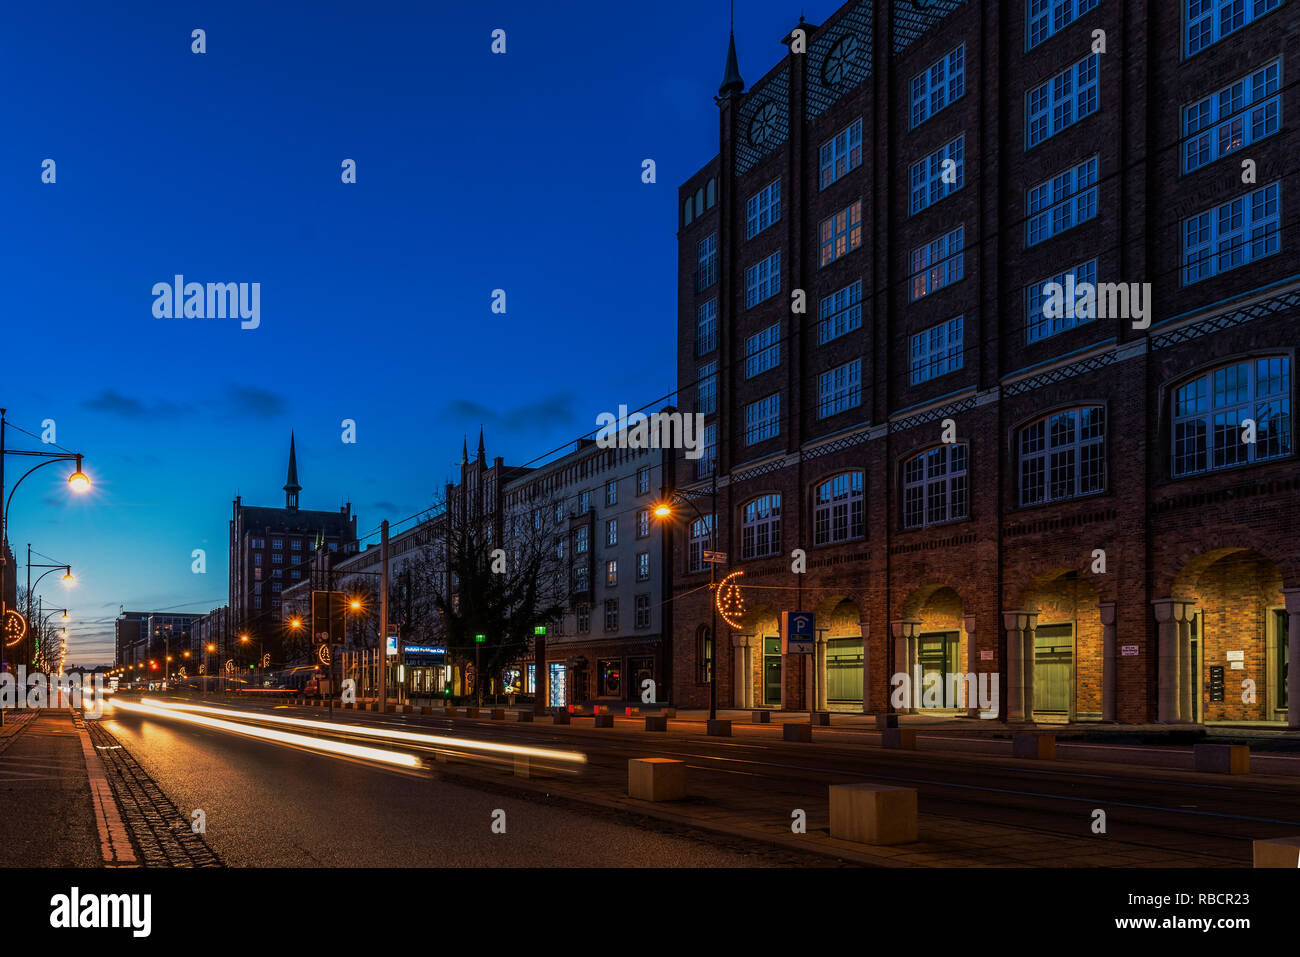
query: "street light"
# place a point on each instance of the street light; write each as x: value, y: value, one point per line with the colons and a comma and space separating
x: 664, y: 511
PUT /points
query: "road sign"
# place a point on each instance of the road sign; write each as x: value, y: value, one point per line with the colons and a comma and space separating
x: 715, y: 558
x: 390, y: 647
x: 797, y: 632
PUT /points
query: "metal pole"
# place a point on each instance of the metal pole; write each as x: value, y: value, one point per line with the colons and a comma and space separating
x: 713, y: 601
x: 383, y: 617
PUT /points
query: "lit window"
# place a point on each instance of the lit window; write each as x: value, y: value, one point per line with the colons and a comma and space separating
x: 838, y: 509
x: 611, y: 572
x: 841, y: 233
x: 642, y: 566
x: 1241, y: 113
x: 939, y: 263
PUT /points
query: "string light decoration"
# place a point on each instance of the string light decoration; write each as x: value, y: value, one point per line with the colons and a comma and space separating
x: 729, y: 601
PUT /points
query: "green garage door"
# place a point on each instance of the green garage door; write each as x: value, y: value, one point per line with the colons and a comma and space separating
x: 844, y: 671
x: 1053, y: 669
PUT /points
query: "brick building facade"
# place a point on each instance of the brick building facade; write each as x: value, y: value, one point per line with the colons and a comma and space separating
x: 1096, y: 504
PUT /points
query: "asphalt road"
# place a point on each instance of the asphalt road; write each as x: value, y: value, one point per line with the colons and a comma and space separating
x: 271, y: 805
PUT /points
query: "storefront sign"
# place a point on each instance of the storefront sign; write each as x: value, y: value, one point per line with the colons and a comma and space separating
x: 986, y: 654
x: 1129, y: 651
x: 1236, y: 656
x: 798, y: 628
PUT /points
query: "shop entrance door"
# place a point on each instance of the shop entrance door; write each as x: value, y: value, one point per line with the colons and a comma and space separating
x: 844, y: 671
x: 772, y: 672
x: 1281, y: 656
x: 937, y: 654
x: 1053, y: 669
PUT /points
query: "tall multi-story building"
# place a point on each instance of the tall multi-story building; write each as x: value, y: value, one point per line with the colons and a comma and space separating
x: 1093, y: 502
x: 270, y: 548
x: 142, y: 637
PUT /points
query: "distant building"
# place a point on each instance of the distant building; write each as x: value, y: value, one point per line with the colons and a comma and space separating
x: 141, y: 637
x: 270, y: 548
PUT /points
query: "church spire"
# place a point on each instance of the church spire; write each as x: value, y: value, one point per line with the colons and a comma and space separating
x: 481, y: 453
x: 291, y: 486
x: 732, y: 84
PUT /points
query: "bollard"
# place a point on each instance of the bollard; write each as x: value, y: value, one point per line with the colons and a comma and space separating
x: 796, y: 731
x: 1221, y: 758
x: 471, y: 712
x: 900, y: 738
x: 884, y: 721
x: 498, y: 714
x: 656, y: 722
x: 1034, y: 746
x: 1277, y: 852
x: 718, y: 728
x: 561, y: 717
x: 523, y: 717
x: 822, y: 719
x: 604, y: 721
x: 761, y: 717
x: 873, y: 813
x: 656, y: 779
x: 449, y: 712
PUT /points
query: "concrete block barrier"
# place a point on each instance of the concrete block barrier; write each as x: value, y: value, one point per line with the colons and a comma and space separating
x: 656, y: 779
x: 796, y: 731
x: 884, y: 721
x: 471, y: 712
x: 898, y: 738
x: 718, y: 728
x: 604, y: 720
x: 1277, y: 852
x: 449, y: 712
x: 873, y: 813
x: 561, y: 717
x: 498, y: 714
x: 1037, y: 747
x: 656, y: 722
x: 426, y: 709
x: 1221, y: 758
x: 822, y: 719
x: 761, y: 717
x: 523, y: 717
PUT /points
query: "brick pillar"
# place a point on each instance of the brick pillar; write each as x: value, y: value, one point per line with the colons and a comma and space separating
x: 1108, y: 662
x: 972, y: 665
x: 1014, y: 623
x: 1292, y: 598
x: 904, y: 632
x: 1169, y: 676
x: 743, y: 678
x: 866, y: 664
x: 1031, y: 629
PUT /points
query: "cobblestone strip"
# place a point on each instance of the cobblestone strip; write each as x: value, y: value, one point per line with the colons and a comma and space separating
x: 158, y: 829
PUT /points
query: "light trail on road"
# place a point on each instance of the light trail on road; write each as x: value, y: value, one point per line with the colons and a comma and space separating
x: 338, y: 748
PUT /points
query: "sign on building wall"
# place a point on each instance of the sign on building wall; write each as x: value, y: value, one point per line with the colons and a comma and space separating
x: 797, y: 632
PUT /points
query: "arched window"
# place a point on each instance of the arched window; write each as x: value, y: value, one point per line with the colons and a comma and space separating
x: 711, y: 194
x: 699, y: 202
x: 760, y: 527
x: 1211, y: 411
x: 701, y: 539
x: 1063, y: 456
x: 686, y: 212
x: 837, y: 509
x: 703, y: 654
x: 934, y: 486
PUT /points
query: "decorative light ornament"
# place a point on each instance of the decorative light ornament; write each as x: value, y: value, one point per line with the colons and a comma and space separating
x: 14, y: 627
x: 729, y: 601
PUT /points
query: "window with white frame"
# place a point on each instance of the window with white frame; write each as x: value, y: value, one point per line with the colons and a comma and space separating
x: 706, y: 392
x: 1210, y: 413
x: 611, y: 614
x: 839, y: 389
x: 937, y: 175
x: 841, y: 153
x: 582, y: 540
x: 942, y: 83
x: 559, y: 512
x: 841, y: 312
x: 1077, y: 307
x: 760, y: 527
x: 708, y: 459
x: 939, y: 263
x: 1238, y: 232
x: 763, y: 209
x: 611, y: 531
x: 763, y: 419
x: 611, y: 572
x: 642, y: 611
x: 643, y: 480
x: 934, y: 486
x: 1065, y: 200
x: 1241, y: 113
x: 763, y: 280
x: 1046, y: 17
x: 1063, y: 456
x: 706, y: 328
x: 611, y: 492
x: 642, y: 566
x: 1062, y: 101
x: 838, y: 509
x: 936, y: 351
x: 1206, y: 22
x: 841, y: 233
x: 763, y: 351
x: 643, y: 523
x: 706, y: 273
x: 582, y: 618
x: 700, y: 541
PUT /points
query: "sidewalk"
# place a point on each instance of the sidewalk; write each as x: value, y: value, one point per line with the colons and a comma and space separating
x: 48, y: 818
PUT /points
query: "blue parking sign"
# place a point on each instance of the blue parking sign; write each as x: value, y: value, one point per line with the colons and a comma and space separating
x: 798, y: 629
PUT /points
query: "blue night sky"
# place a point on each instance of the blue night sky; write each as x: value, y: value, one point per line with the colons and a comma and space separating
x: 475, y: 172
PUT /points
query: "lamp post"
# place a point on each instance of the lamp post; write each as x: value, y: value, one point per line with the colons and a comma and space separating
x: 663, y: 511
x: 245, y: 639
x: 78, y: 481
x: 68, y: 581
x: 44, y: 620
